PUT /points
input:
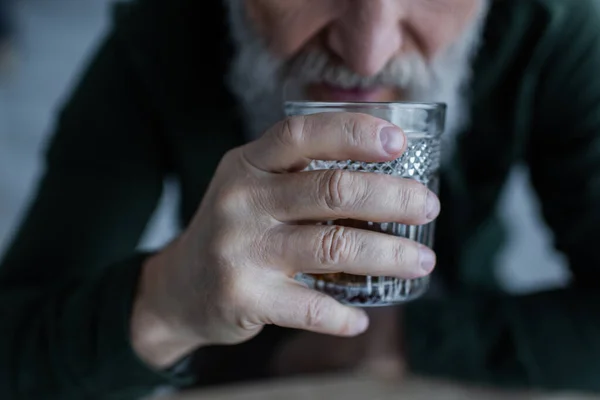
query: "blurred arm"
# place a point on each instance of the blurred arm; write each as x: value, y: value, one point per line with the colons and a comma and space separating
x: 549, y: 339
x: 67, y: 282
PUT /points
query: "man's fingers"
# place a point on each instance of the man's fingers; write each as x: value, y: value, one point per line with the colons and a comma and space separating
x: 337, y: 194
x: 333, y: 249
x: 293, y: 143
x: 295, y: 306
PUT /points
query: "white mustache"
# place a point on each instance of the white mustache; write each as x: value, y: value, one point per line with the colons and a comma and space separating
x: 316, y: 66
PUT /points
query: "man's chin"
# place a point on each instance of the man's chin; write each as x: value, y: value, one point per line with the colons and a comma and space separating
x: 329, y: 93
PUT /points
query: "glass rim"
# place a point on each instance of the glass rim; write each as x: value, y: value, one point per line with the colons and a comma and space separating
x: 403, y: 105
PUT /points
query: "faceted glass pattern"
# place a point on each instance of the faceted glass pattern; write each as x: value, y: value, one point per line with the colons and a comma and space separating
x: 420, y: 162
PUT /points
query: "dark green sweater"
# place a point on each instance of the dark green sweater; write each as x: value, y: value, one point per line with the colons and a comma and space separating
x: 153, y: 104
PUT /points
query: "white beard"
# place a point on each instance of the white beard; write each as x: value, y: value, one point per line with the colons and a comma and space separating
x: 262, y: 82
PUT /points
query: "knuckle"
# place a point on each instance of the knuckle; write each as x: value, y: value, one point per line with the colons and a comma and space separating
x: 291, y: 131
x: 360, y: 129
x: 269, y: 248
x: 335, y: 246
x: 315, y: 312
x: 222, y: 247
x: 335, y: 190
x: 404, y: 200
x: 352, y: 131
x: 399, y: 256
x: 410, y: 198
x: 231, y: 199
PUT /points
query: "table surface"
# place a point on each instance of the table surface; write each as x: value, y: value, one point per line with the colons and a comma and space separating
x: 356, y: 387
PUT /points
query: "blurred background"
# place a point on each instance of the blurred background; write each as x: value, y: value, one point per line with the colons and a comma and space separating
x: 47, y: 48
x: 48, y: 45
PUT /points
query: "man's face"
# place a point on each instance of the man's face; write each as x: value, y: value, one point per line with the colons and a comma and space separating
x: 353, y: 51
x: 363, y: 36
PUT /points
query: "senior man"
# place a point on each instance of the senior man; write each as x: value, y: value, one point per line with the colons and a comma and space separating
x: 194, y: 90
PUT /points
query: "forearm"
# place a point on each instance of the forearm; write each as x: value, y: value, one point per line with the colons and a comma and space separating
x: 549, y: 340
x: 72, y: 341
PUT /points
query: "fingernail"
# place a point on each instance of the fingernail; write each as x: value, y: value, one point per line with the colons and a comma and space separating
x: 361, y: 324
x: 432, y: 205
x: 426, y: 259
x: 392, y: 139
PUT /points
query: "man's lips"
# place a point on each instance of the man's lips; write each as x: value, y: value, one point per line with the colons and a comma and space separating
x: 327, y: 92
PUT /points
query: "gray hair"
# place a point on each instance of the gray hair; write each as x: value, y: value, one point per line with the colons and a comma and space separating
x: 261, y: 81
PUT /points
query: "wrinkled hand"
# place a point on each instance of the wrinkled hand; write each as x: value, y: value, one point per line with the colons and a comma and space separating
x: 231, y: 272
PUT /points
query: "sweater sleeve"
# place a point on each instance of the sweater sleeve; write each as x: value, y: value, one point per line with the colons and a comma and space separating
x: 68, y: 279
x: 551, y: 339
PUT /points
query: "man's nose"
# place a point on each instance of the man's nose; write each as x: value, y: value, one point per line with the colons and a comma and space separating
x: 367, y: 36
